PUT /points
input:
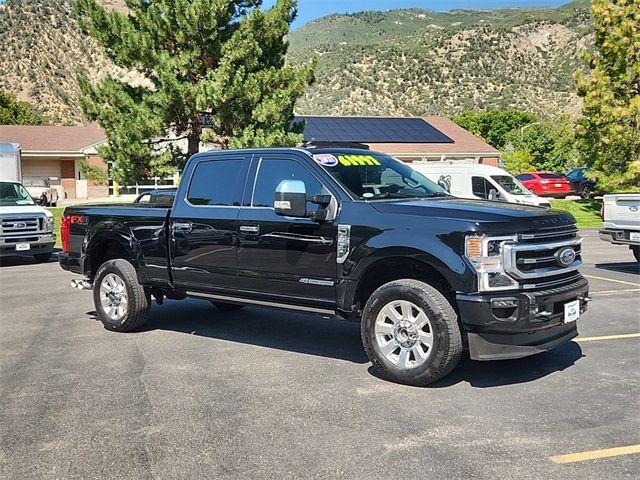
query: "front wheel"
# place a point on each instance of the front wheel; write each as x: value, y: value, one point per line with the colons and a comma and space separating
x: 410, y: 333
x: 636, y: 252
x: 586, y: 192
x: 121, y: 302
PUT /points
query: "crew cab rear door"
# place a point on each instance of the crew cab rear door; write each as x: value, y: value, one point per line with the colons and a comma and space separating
x: 204, y: 223
x: 291, y: 260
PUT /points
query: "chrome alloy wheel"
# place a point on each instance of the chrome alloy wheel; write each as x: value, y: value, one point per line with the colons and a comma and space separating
x: 404, y: 334
x: 113, y: 296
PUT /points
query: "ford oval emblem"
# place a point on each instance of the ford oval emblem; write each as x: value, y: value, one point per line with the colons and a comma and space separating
x: 633, y: 209
x: 565, y: 257
x: 20, y: 225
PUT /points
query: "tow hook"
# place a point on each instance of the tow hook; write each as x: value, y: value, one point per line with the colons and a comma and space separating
x: 586, y: 298
x: 81, y: 284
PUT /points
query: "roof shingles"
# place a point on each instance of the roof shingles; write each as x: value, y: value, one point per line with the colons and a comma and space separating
x: 33, y: 138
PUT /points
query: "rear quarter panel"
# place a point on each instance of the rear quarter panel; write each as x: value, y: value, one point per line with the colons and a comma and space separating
x: 139, y: 231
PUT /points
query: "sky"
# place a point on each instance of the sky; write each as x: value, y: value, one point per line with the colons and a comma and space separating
x: 311, y: 9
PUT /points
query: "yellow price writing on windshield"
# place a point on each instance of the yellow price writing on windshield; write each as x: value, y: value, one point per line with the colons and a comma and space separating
x: 358, y: 160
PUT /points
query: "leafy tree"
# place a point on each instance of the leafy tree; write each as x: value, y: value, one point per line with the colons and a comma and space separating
x: 494, y: 125
x: 609, y: 133
x: 550, y: 145
x: 518, y: 161
x: 222, y: 58
x: 15, y: 112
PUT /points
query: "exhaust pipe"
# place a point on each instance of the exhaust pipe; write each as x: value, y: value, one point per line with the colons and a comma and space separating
x: 81, y: 284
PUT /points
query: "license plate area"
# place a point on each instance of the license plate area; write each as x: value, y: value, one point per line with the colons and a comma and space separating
x: 571, y: 311
x: 22, y: 247
x: 634, y: 236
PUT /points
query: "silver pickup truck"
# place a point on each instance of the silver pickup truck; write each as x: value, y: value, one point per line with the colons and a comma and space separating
x: 621, y: 217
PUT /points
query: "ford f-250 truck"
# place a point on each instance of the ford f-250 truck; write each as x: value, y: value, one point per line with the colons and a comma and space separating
x: 340, y: 231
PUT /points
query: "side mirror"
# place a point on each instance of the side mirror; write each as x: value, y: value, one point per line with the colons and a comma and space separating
x: 291, y: 199
x: 494, y: 195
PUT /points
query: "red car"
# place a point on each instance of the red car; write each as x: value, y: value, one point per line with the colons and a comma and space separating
x: 546, y: 184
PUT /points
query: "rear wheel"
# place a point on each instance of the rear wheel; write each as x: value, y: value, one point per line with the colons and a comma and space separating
x: 121, y: 302
x: 227, y: 307
x: 410, y: 333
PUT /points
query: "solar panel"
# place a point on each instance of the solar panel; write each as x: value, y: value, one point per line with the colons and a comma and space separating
x: 370, y: 130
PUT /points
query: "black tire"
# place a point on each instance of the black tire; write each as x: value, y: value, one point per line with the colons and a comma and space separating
x: 636, y: 252
x: 227, y: 307
x: 42, y: 257
x: 586, y: 193
x: 447, y: 340
x: 138, y: 302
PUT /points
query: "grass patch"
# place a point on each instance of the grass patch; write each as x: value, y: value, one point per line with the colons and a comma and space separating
x: 587, y: 212
x: 57, y: 213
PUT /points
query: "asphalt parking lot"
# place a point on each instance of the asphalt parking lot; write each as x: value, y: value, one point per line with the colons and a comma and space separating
x: 269, y: 394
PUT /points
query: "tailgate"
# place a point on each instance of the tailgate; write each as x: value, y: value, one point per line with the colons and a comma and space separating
x: 622, y: 211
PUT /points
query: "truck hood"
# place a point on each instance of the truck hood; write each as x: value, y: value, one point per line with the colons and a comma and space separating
x: 25, y: 210
x: 507, y: 216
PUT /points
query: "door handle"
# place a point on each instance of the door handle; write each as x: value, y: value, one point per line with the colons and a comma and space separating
x: 253, y: 229
x: 184, y: 227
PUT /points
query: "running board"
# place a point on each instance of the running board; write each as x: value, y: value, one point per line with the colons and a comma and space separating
x: 261, y: 303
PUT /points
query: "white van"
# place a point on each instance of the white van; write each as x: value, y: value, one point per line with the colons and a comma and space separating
x: 474, y: 180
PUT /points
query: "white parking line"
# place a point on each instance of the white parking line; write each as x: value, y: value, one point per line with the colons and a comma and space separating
x: 612, y: 280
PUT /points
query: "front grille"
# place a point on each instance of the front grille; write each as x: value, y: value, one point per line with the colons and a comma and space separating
x: 21, y: 225
x: 536, y: 259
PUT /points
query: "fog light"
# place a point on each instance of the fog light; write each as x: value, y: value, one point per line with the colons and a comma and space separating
x: 503, y: 303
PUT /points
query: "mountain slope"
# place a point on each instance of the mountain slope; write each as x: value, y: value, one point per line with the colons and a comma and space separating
x: 399, y: 62
x: 416, y: 62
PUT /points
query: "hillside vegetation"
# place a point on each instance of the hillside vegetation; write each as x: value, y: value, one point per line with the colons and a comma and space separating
x: 399, y: 62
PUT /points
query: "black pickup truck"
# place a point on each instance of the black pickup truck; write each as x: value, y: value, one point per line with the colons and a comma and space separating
x: 347, y: 232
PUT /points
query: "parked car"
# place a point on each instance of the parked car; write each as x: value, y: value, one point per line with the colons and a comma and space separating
x: 160, y: 197
x: 580, y: 183
x: 346, y: 232
x: 546, y: 184
x: 621, y: 217
x: 25, y: 228
x: 478, y: 181
x: 42, y: 190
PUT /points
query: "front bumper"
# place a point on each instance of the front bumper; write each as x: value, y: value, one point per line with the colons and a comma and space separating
x: 534, y: 324
x: 38, y: 243
x: 617, y: 236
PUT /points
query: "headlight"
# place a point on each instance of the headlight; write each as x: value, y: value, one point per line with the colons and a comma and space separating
x: 48, y: 224
x: 485, y: 254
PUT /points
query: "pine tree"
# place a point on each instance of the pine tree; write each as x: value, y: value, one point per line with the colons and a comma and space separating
x: 609, y: 134
x: 207, y: 64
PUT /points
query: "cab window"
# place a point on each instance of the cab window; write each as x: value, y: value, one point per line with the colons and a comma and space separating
x: 273, y: 171
x: 218, y: 182
x: 480, y: 187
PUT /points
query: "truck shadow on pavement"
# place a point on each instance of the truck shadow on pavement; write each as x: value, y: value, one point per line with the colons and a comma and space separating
x: 339, y: 339
x: 626, y: 267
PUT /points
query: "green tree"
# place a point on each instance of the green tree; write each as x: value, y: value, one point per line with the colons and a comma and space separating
x: 219, y: 60
x: 609, y: 133
x: 494, y: 125
x: 15, y: 112
x: 550, y: 145
x: 518, y: 161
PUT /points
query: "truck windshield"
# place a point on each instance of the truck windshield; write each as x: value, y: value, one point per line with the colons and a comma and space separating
x: 371, y: 176
x: 511, y: 185
x: 12, y: 194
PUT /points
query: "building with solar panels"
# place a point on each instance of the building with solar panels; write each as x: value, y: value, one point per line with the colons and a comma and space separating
x: 409, y: 139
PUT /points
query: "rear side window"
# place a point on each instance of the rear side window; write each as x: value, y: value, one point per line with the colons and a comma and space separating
x: 165, y: 198
x: 274, y: 171
x: 549, y: 175
x: 525, y: 176
x: 218, y: 182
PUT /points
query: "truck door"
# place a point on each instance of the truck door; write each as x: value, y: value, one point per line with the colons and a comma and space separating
x: 280, y: 256
x: 203, y: 224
